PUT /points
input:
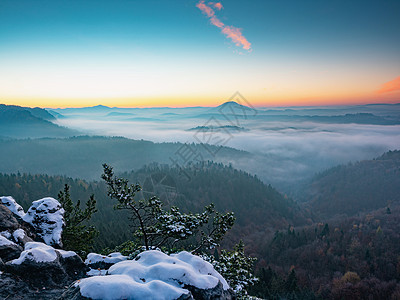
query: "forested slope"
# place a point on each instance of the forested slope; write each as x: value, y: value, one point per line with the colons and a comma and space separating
x: 259, y: 208
x: 356, y: 187
x: 82, y: 157
x: 25, y: 122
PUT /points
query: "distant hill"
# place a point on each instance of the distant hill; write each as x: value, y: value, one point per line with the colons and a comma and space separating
x: 82, y: 157
x: 356, y: 187
x: 232, y: 105
x: 217, y: 128
x: 258, y: 207
x: 25, y: 122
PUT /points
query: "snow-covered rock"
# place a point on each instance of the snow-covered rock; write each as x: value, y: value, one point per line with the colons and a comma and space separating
x: 155, y: 275
x: 4, y: 241
x: 8, y: 249
x: 6, y: 234
x: 8, y: 221
x: 13, y: 206
x: 47, y: 217
x: 42, y: 265
x: 20, y: 236
x: 98, y: 261
x: 96, y: 272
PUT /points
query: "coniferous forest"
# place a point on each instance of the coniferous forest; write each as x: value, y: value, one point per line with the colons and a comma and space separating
x: 301, y: 253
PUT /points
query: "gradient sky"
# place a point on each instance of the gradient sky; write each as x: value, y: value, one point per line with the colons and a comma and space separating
x: 176, y: 53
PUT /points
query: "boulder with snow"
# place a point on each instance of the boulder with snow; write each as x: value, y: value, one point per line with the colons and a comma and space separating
x: 21, y: 237
x: 7, y: 219
x: 47, y: 217
x: 104, y: 262
x: 155, y: 275
x: 8, y: 249
x: 13, y: 206
x: 42, y: 265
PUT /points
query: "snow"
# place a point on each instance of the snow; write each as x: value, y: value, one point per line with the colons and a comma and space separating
x: 124, y: 287
x: 201, y: 265
x: 40, y: 252
x: 96, y: 272
x: 12, y: 205
x: 46, y: 215
x: 4, y: 241
x: 112, y: 258
x: 152, y: 275
x: 6, y: 234
x: 18, y: 235
x: 36, y: 251
x: 66, y: 254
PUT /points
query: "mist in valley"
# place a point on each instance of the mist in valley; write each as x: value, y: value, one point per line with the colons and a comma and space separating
x: 287, y: 146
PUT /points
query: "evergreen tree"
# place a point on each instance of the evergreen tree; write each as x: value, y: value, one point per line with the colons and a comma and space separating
x: 156, y: 227
x: 77, y: 235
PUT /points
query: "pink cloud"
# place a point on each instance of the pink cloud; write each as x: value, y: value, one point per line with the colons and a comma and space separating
x: 390, y: 86
x: 216, y: 5
x: 216, y: 22
x: 205, y: 9
x: 234, y: 33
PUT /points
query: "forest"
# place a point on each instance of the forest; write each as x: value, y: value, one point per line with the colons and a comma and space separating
x: 301, y: 253
x: 333, y: 235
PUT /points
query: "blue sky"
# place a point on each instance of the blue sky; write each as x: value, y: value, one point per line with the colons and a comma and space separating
x: 167, y: 52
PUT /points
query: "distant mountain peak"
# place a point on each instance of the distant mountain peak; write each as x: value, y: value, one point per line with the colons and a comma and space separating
x: 100, y: 106
x: 232, y: 104
x: 96, y: 108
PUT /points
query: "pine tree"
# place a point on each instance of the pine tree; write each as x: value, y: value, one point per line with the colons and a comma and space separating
x: 77, y: 235
x: 156, y: 227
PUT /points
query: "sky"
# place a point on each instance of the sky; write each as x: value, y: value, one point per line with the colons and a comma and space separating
x: 130, y: 53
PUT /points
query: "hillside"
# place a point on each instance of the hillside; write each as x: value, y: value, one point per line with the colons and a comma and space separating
x: 259, y: 208
x: 356, y: 187
x: 82, y: 157
x: 351, y: 258
x: 25, y: 122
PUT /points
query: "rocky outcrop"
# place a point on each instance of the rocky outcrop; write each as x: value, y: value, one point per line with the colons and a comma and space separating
x: 51, y: 267
x: 218, y: 292
x: 13, y: 287
x: 34, y: 270
x: 47, y: 217
x: 8, y: 249
x: 153, y: 273
x: 37, y: 270
x: 8, y: 222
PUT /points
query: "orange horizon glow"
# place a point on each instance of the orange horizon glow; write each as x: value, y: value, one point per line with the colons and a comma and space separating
x: 174, y: 102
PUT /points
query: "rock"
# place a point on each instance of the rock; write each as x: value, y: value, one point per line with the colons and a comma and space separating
x: 153, y: 273
x: 11, y: 224
x: 47, y: 217
x: 8, y: 249
x: 12, y: 205
x: 103, y: 262
x: 49, y: 266
x: 73, y: 293
x: 73, y: 265
x: 7, y: 220
x: 21, y: 237
x: 19, y: 289
x: 217, y: 292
